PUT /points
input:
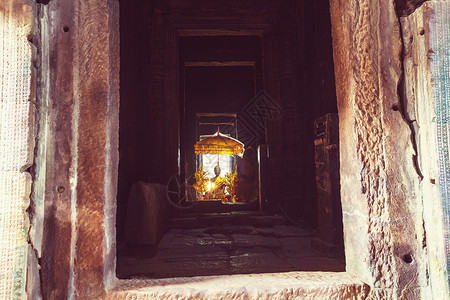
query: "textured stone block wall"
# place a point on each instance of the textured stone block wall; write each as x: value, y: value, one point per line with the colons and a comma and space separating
x: 439, y: 35
x: 17, y: 79
x: 390, y: 228
x: 425, y: 35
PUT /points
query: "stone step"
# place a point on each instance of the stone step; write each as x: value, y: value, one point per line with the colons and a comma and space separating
x: 288, y: 285
x: 258, y: 219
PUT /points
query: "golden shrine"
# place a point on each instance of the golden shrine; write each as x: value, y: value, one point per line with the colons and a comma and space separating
x: 216, y: 187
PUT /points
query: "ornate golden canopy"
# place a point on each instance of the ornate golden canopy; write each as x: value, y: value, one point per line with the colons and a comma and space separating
x: 219, y: 144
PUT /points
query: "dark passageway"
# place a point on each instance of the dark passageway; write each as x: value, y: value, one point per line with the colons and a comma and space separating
x: 261, y: 73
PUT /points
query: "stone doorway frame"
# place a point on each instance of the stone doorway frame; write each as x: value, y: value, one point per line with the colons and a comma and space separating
x: 79, y: 124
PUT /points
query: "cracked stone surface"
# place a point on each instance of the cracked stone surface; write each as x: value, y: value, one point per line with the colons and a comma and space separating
x: 290, y: 285
x: 226, y: 250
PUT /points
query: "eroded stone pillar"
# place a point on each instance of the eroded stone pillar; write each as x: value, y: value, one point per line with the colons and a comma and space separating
x: 82, y: 156
x: 380, y: 178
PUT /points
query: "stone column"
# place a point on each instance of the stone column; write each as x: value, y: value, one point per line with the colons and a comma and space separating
x: 385, y: 243
x: 82, y: 156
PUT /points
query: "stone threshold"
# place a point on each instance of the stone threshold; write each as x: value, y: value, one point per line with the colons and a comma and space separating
x: 288, y: 285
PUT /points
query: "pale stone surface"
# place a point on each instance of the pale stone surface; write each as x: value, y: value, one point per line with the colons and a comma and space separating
x: 17, y: 78
x: 292, y: 285
x: 14, y: 199
x: 17, y: 94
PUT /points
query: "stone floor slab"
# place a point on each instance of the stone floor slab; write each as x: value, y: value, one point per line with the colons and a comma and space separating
x: 228, y: 249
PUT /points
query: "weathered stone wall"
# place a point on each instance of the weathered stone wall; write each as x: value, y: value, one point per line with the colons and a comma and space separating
x: 384, y: 228
x: 425, y: 107
x: 17, y: 98
x: 381, y: 180
x: 78, y: 152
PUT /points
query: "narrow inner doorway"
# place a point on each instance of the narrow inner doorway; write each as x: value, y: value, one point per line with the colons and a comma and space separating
x: 219, y: 77
x: 189, y: 73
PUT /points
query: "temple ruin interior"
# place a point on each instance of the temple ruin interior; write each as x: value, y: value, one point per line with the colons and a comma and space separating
x: 260, y: 73
x: 224, y: 149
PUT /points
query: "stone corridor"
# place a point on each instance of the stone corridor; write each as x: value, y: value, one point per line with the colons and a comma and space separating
x: 263, y: 245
